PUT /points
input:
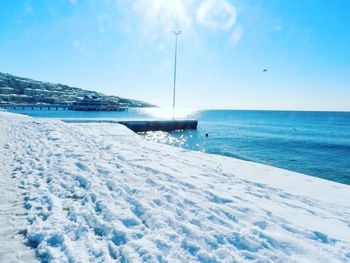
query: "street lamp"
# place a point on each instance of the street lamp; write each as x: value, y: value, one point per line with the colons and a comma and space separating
x: 176, y: 33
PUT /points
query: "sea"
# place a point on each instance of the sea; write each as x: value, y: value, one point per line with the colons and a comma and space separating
x: 313, y: 143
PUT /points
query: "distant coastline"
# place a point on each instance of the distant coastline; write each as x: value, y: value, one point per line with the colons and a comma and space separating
x: 24, y: 91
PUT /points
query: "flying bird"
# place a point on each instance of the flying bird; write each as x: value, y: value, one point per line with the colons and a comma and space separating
x: 265, y: 70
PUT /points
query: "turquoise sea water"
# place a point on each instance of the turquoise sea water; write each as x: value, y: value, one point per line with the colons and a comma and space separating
x: 314, y: 143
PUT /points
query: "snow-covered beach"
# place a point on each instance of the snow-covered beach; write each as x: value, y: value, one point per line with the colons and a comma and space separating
x: 75, y: 192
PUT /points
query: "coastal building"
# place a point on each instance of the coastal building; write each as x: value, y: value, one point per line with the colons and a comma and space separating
x: 94, y: 103
x: 6, y: 90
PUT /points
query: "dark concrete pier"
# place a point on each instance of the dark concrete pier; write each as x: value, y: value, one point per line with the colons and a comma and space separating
x: 167, y: 125
x: 145, y: 125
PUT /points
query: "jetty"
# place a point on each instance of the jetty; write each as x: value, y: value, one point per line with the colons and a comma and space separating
x: 12, y: 106
x: 88, y: 103
x: 74, y: 107
x: 144, y: 125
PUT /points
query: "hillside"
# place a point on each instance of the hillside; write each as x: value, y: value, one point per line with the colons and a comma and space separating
x: 20, y: 90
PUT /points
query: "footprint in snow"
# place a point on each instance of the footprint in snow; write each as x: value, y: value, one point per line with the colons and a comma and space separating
x: 83, y: 182
x: 81, y: 166
x: 219, y: 200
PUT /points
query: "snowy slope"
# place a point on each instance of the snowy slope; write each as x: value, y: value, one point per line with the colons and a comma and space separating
x: 12, y: 217
x: 99, y: 193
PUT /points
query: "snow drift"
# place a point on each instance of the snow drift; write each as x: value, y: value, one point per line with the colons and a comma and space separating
x: 99, y: 193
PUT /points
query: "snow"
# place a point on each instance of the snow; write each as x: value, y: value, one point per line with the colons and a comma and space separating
x: 96, y: 192
x: 12, y: 218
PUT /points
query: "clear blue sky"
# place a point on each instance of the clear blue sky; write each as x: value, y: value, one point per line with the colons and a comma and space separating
x: 125, y: 48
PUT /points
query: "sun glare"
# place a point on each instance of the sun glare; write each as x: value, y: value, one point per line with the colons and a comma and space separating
x: 167, y: 113
x: 167, y: 15
x: 173, y: 14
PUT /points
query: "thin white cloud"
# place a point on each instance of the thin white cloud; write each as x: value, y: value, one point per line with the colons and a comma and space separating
x: 278, y: 28
x: 278, y: 25
x: 29, y: 10
x: 103, y: 21
x: 236, y: 36
x: 73, y: 2
x: 19, y: 21
x: 77, y: 44
x: 216, y: 14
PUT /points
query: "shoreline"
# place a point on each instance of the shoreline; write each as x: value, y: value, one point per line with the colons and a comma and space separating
x: 312, y: 143
x: 102, y: 190
x: 236, y: 109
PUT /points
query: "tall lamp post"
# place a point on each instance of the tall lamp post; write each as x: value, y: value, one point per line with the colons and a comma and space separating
x: 176, y: 33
